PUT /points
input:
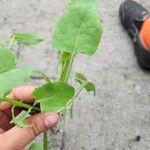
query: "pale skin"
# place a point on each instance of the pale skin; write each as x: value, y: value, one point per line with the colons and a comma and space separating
x: 15, y: 138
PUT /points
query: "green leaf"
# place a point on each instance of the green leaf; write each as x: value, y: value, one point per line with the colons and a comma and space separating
x: 10, y: 79
x: 20, y: 120
x: 27, y: 38
x: 7, y: 59
x: 89, y: 86
x: 79, y: 29
x: 80, y: 78
x: 53, y: 96
x: 36, y: 146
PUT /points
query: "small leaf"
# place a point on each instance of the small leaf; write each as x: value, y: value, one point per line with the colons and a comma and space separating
x: 80, y: 78
x: 89, y: 86
x: 53, y: 96
x: 27, y: 38
x: 79, y: 30
x: 36, y: 146
x: 10, y: 79
x: 20, y: 120
x: 7, y: 59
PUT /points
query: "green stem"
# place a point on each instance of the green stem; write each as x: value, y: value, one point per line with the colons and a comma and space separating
x: 78, y: 92
x: 66, y: 66
x: 45, y: 139
x: 75, y: 96
x: 68, y: 70
x: 71, y: 111
x: 18, y: 103
x: 66, y: 61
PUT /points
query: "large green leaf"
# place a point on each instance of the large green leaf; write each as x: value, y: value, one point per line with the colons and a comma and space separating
x: 79, y: 29
x: 13, y: 78
x: 27, y: 38
x: 53, y: 96
x: 7, y: 59
x: 89, y: 86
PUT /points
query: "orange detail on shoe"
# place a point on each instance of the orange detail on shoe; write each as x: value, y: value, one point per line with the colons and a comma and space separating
x: 145, y: 33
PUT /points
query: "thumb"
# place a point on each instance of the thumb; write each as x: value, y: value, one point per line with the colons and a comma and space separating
x: 18, y: 138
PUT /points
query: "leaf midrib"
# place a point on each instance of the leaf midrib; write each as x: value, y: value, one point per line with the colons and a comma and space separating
x: 78, y: 32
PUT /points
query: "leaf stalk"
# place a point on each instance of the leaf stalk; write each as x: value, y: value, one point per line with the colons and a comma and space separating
x: 66, y: 67
x: 45, y: 140
x: 18, y: 103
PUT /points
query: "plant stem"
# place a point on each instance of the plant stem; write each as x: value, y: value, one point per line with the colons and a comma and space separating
x: 66, y: 61
x: 71, y: 111
x: 45, y: 140
x: 66, y: 66
x: 77, y: 92
x: 75, y: 96
x: 18, y: 103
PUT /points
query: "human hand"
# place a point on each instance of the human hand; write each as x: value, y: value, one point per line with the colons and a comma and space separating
x: 15, y: 138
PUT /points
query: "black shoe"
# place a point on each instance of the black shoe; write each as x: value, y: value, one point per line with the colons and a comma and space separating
x: 132, y: 16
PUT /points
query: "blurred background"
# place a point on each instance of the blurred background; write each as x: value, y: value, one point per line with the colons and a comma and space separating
x: 118, y: 118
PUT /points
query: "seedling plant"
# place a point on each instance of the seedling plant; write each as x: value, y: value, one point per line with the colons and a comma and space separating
x: 78, y: 31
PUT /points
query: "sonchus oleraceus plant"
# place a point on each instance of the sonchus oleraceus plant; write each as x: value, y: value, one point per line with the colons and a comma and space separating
x: 78, y: 31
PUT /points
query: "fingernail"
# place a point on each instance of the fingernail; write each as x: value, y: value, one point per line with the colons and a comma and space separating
x: 51, y: 120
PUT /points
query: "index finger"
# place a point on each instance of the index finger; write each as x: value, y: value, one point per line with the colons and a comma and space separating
x: 19, y: 93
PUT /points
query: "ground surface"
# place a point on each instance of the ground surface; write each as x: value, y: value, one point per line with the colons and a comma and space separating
x: 121, y: 110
